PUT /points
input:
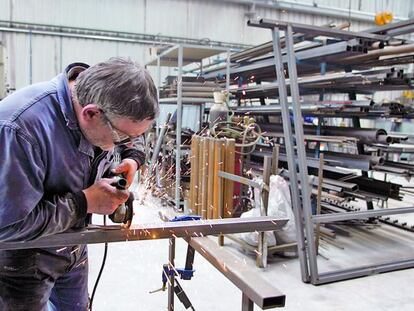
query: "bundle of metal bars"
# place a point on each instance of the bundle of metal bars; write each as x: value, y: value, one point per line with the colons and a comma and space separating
x: 193, y: 87
x: 356, y: 51
x: 209, y: 196
x: 363, y: 82
x: 330, y: 108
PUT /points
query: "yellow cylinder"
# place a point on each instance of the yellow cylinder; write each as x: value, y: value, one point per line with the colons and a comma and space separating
x: 383, y: 18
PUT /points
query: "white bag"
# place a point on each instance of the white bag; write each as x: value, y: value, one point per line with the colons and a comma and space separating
x: 280, y: 206
x: 252, y: 238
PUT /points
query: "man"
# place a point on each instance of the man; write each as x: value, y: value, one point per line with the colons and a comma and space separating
x: 56, y: 141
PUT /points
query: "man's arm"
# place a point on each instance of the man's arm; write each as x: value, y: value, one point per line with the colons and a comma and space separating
x: 46, y: 218
x: 26, y: 212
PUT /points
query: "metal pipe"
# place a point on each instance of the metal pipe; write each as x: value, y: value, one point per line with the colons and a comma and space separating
x: 391, y: 50
x: 287, y: 130
x: 301, y: 153
x: 317, y: 30
x: 253, y: 286
x: 364, y: 135
x: 171, y: 277
x: 361, y: 214
x: 178, y: 127
x: 106, y: 35
x: 110, y: 234
x: 247, y: 304
x: 159, y: 142
x: 373, y: 269
x: 312, y: 9
x: 267, y: 47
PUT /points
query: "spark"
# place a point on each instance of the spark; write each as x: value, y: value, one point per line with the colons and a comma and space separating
x: 61, y: 249
x: 75, y: 250
x: 82, y: 263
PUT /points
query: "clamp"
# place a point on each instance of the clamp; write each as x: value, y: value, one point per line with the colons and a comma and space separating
x: 185, y: 273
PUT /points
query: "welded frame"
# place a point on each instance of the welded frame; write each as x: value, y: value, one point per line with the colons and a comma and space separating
x: 254, y: 290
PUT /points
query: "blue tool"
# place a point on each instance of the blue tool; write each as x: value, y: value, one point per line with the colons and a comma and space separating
x: 185, y: 273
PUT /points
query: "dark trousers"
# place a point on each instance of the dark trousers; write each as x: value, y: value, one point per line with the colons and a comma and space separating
x: 44, y: 279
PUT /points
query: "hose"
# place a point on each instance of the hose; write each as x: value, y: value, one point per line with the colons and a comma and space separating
x: 248, y: 135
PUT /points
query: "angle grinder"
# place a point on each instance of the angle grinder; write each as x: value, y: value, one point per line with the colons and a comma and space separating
x: 124, y: 212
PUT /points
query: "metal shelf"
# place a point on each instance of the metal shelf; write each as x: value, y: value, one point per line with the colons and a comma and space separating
x: 186, y: 100
x: 179, y: 56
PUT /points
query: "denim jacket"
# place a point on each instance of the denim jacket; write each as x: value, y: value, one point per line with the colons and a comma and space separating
x: 45, y: 162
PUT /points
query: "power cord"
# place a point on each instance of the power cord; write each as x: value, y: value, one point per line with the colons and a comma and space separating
x: 100, y: 271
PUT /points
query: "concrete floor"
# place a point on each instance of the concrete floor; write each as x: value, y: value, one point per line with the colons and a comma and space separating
x: 134, y: 268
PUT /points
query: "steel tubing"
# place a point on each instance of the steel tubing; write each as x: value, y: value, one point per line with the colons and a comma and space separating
x: 316, y: 30
x: 392, y: 50
x: 262, y: 293
x: 364, y: 135
x: 110, y: 234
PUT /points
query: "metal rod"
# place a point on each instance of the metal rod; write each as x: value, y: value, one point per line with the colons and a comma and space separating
x: 159, y: 142
x: 301, y: 151
x: 247, y: 304
x: 228, y: 72
x: 317, y: 30
x: 319, y: 199
x: 178, y: 128
x: 361, y: 214
x: 287, y: 130
x: 106, y: 35
x: 345, y: 274
x: 171, y: 277
x: 110, y: 234
x: 364, y: 135
x: 239, y: 179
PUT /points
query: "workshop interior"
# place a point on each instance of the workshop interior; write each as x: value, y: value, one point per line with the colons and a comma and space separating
x: 278, y: 171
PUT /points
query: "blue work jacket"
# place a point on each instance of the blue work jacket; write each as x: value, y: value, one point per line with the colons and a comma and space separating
x: 45, y: 162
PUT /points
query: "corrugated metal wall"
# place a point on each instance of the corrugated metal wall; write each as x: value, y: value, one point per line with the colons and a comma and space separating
x: 32, y: 58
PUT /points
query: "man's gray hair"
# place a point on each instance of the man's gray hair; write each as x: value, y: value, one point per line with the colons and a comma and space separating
x: 120, y: 87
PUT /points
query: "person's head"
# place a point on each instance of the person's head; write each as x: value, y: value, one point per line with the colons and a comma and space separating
x: 117, y: 101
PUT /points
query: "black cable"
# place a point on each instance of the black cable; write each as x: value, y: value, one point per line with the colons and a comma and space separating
x: 100, y: 271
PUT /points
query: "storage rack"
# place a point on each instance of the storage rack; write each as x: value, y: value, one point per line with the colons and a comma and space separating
x: 334, y: 62
x: 178, y: 57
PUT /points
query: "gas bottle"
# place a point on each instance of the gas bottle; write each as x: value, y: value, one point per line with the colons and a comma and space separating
x: 219, y: 111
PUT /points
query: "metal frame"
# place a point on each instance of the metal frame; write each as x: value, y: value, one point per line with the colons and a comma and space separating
x: 290, y: 152
x: 298, y: 170
x: 254, y: 289
x: 182, y: 229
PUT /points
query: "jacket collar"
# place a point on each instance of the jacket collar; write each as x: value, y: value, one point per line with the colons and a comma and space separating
x: 65, y: 102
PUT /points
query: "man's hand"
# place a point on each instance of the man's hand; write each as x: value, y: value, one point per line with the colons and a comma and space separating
x: 128, y: 168
x: 103, y: 198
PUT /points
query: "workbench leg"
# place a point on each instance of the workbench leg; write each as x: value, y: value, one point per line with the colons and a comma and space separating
x: 171, y: 277
x: 247, y: 304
